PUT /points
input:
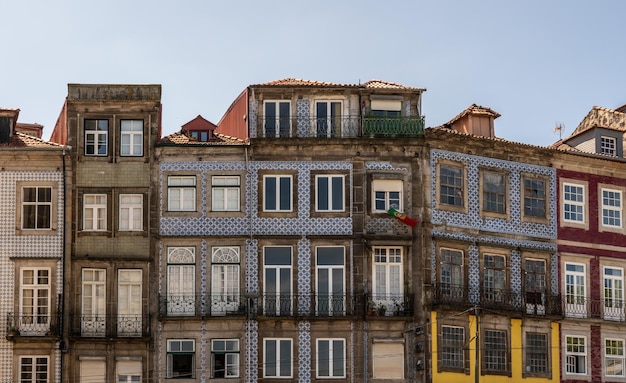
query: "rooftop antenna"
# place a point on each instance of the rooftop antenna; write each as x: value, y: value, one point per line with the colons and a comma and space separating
x: 559, y: 127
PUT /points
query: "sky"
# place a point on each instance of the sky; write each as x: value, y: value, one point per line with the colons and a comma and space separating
x: 537, y: 63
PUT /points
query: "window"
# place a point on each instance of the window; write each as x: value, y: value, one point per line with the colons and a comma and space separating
x: 386, y: 194
x: 495, y: 351
x: 328, y: 118
x: 200, y: 135
x: 96, y: 137
x: 575, y: 355
x: 128, y: 371
x: 225, y: 280
x: 277, y: 119
x: 386, y: 108
x: 537, y: 353
x: 181, y: 193
x: 573, y: 203
x: 93, y: 321
x: 451, y: 185
x: 331, y: 358
x: 611, y: 208
x: 451, y: 275
x: 132, y: 138
x: 36, y: 207
x: 330, y: 280
x: 225, y: 192
x: 34, y: 369
x: 131, y: 212
x: 387, y: 279
x: 494, y: 192
x: 388, y: 360
x: 613, y: 293
x: 575, y: 290
x: 225, y: 358
x: 608, y: 146
x: 277, y: 281
x: 277, y: 356
x: 614, y: 357
x: 329, y: 196
x: 34, y: 301
x: 535, y: 285
x: 534, y: 198
x: 95, y: 212
x: 452, y: 347
x: 92, y: 371
x: 277, y: 193
x: 181, y: 358
x: 129, y: 303
x: 494, y: 278
x: 181, y: 275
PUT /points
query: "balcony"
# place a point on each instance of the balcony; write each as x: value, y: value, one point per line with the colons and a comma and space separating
x: 340, y: 127
x: 195, y: 305
x: 32, y: 325
x: 528, y: 303
x: 110, y: 326
x: 389, y: 305
x: 610, y: 309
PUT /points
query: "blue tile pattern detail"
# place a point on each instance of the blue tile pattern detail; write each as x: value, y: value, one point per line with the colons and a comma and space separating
x: 253, y: 108
x: 252, y: 266
x: 203, y: 352
x: 304, y: 352
x: 384, y: 165
x: 303, y: 113
x: 473, y: 219
x: 252, y: 352
x: 304, y: 275
x: 204, y: 272
x: 26, y: 246
x: 474, y: 274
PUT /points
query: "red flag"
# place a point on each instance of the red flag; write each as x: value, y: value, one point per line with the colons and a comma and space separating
x: 402, y: 217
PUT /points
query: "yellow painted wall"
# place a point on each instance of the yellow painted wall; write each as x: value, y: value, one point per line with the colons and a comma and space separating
x: 516, y: 357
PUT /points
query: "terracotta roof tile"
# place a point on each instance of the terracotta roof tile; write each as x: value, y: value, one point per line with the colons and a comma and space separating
x: 180, y: 138
x: 473, y: 109
x: 372, y: 84
x: 21, y: 140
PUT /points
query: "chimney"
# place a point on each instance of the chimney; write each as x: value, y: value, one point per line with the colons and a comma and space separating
x: 476, y: 120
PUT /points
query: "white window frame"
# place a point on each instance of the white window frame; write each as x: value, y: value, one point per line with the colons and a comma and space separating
x: 575, y: 289
x: 93, y: 305
x: 611, y: 216
x: 96, y: 205
x: 574, y: 356
x: 34, y: 371
x: 329, y: 190
x: 329, y: 302
x: 225, y: 279
x: 36, y: 205
x: 181, y: 193
x: 131, y: 138
x: 131, y: 212
x: 574, y: 203
x: 278, y: 302
x: 275, y: 359
x: 96, y: 138
x: 129, y: 302
x: 613, y: 294
x: 182, y: 348
x: 608, y: 145
x: 35, y: 309
x: 226, y: 193
x: 128, y: 371
x: 386, y: 194
x: 279, y: 190
x: 279, y: 119
x: 614, y: 356
x: 181, y: 275
x: 231, y: 351
x: 330, y: 345
x: 388, y: 275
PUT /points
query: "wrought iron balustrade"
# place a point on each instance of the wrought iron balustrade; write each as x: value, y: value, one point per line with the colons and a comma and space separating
x: 32, y: 325
x: 409, y: 126
x: 110, y: 326
x: 389, y: 305
x: 180, y: 305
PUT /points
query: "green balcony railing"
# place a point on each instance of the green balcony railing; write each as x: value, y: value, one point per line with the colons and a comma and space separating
x: 393, y: 126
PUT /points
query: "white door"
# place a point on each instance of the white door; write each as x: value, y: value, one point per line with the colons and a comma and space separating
x: 93, y: 320
x: 129, y: 321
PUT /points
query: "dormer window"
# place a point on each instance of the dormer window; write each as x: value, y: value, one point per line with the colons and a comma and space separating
x: 200, y: 135
x: 608, y: 146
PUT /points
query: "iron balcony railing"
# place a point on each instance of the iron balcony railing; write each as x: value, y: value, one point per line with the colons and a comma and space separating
x: 110, y: 326
x: 340, y: 127
x: 389, y: 305
x: 32, y: 325
x: 174, y: 305
x: 529, y: 303
x: 610, y: 308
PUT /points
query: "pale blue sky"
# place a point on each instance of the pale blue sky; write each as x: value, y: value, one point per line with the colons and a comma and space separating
x: 537, y: 63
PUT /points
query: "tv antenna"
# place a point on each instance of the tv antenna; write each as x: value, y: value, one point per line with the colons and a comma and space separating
x: 559, y: 127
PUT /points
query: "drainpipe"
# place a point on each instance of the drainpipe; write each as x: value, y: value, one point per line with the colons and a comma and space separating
x: 61, y: 299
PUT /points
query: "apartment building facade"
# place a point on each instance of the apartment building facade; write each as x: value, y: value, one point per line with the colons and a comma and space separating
x: 33, y: 179
x: 111, y: 130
